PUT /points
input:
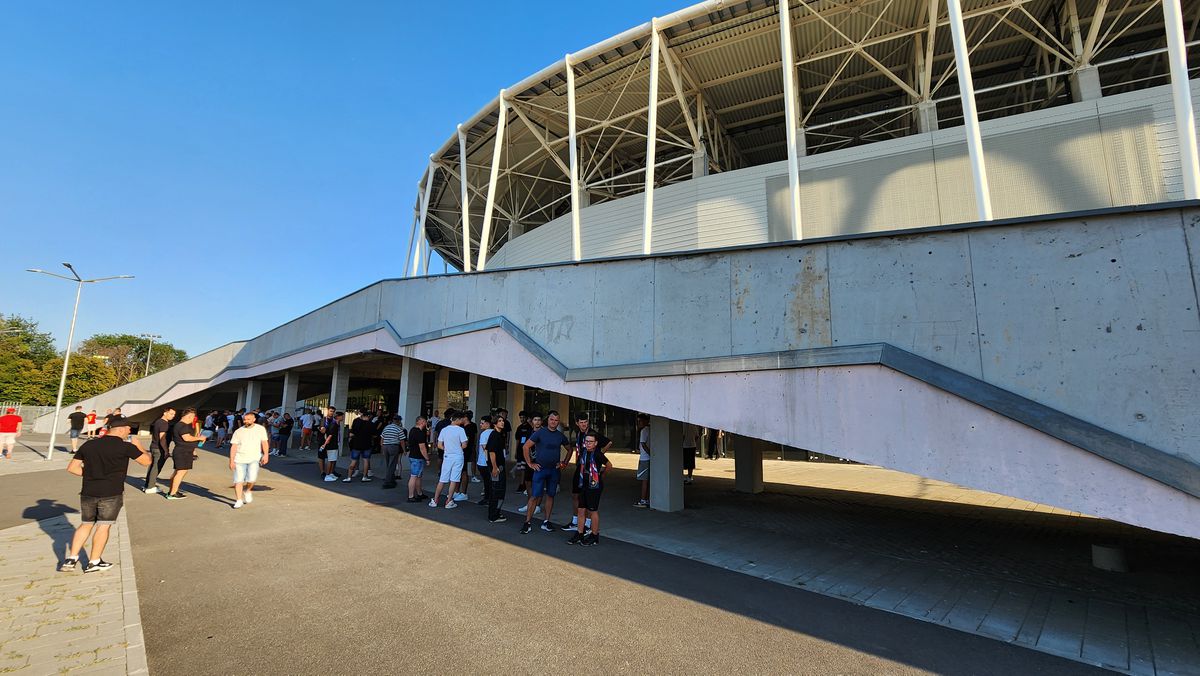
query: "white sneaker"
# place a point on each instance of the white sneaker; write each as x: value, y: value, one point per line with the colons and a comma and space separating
x: 330, y: 477
x: 248, y: 497
x: 238, y: 504
x: 152, y: 489
x: 451, y: 505
x: 523, y: 509
x: 433, y: 502
x: 461, y: 497
x: 537, y: 510
x: 474, y: 479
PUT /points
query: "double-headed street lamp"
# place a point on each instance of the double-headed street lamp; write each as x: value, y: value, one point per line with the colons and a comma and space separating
x: 62, y: 382
x: 151, y: 337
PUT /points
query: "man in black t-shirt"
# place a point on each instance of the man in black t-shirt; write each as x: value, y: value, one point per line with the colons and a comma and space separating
x: 441, y: 425
x: 496, y: 449
x: 593, y: 465
x: 327, y: 454
x: 78, y: 419
x: 418, y: 458
x: 183, y: 435
x: 362, y: 438
x: 524, y: 431
x: 160, y: 443
x: 103, y: 464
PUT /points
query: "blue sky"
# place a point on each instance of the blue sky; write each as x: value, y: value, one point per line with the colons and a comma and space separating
x: 247, y: 161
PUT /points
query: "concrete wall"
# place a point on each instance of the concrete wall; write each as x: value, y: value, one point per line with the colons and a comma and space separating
x: 1114, y: 151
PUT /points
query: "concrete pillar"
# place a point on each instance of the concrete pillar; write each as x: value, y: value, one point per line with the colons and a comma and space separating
x: 339, y: 386
x: 412, y: 381
x: 253, y: 394
x: 747, y: 464
x: 480, y: 395
x: 666, y: 464
x: 291, y: 387
x: 1085, y: 84
x: 801, y: 143
x: 700, y: 161
x: 441, y: 389
x: 241, y: 399
x: 927, y: 120
x: 516, y: 402
x: 515, y: 230
x: 562, y: 404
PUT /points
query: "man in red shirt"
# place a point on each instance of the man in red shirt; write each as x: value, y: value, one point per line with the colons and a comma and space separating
x: 10, y: 429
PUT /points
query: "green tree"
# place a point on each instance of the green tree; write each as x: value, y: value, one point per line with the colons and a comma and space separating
x: 86, y: 377
x: 23, y: 352
x: 126, y: 354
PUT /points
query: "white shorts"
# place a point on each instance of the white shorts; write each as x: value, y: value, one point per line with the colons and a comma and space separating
x: 245, y: 472
x: 8, y: 439
x: 452, y: 468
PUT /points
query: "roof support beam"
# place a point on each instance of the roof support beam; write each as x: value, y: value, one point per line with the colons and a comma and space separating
x: 541, y: 139
x: 673, y: 73
x: 983, y: 200
x: 576, y: 240
x: 1181, y: 96
x: 490, y: 202
x: 466, y: 200
x: 651, y: 140
x: 790, y: 113
x: 425, y: 200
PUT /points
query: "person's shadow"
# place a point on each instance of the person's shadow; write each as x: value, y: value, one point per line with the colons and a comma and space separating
x: 51, y: 517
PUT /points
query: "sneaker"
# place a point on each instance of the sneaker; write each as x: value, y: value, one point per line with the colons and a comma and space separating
x: 433, y: 503
x: 238, y: 504
x: 527, y: 528
x: 547, y: 526
x: 451, y: 504
x: 151, y: 489
x: 525, y: 493
x: 461, y: 497
x: 248, y: 497
x: 523, y: 509
x: 577, y: 538
x: 365, y: 479
x: 97, y: 566
x: 537, y: 510
x: 68, y: 565
x: 499, y: 519
x: 590, y: 540
x: 642, y: 503
x: 176, y: 496
x: 474, y: 479
x: 570, y: 526
x: 330, y: 477
x: 347, y: 479
x: 422, y: 496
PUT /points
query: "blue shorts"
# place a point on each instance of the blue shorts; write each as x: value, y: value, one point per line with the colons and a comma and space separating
x: 355, y: 455
x: 416, y: 467
x: 545, y: 482
x: 74, y: 434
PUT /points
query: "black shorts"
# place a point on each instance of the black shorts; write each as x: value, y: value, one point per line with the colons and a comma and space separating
x: 575, y: 487
x: 689, y: 458
x: 100, y: 510
x: 183, y: 458
x: 589, y: 499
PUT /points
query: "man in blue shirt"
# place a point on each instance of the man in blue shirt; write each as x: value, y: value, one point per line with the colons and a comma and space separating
x: 543, y: 454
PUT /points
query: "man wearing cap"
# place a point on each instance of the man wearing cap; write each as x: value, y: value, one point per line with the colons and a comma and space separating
x: 103, y: 464
x: 10, y: 429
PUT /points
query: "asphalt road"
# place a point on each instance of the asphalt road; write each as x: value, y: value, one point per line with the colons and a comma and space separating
x: 316, y: 578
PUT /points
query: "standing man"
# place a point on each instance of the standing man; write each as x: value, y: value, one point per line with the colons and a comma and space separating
x: 306, y: 425
x: 362, y: 434
x: 392, y: 440
x: 10, y: 429
x: 418, y: 458
x: 78, y: 420
x: 248, y: 449
x: 643, y: 469
x: 577, y: 486
x: 524, y: 431
x: 691, y: 440
x: 91, y: 424
x: 593, y: 465
x: 496, y: 448
x: 185, y: 438
x: 327, y: 455
x: 543, y: 454
x: 160, y: 442
x: 102, y: 463
x: 481, y: 458
x: 453, y: 443
x: 286, y: 424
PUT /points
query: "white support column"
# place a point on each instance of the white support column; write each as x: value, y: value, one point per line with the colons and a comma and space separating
x: 465, y: 198
x: 291, y: 387
x: 480, y: 395
x: 747, y: 464
x: 791, y: 115
x: 966, y: 86
x: 412, y: 381
x: 241, y: 398
x: 562, y: 404
x: 1181, y: 96
x: 666, y: 464
x: 651, y: 142
x: 441, y: 389
x: 253, y: 394
x: 490, y: 203
x: 425, y: 263
x: 515, y: 394
x: 339, y: 386
x: 573, y: 144
x: 412, y: 242
x: 425, y: 213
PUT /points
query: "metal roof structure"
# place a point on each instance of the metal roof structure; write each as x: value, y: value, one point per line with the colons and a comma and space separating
x: 864, y: 71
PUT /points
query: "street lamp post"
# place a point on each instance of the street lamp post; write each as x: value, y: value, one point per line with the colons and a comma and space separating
x: 151, y: 337
x: 62, y: 381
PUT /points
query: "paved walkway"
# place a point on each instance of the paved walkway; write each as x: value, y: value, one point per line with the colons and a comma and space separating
x: 67, y: 623
x: 29, y: 455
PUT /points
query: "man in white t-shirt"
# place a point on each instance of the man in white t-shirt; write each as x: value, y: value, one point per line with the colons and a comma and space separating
x: 306, y: 427
x: 643, y: 470
x: 249, y: 448
x: 453, y: 442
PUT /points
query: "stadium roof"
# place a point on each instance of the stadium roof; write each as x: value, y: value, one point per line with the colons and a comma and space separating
x: 863, y: 68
